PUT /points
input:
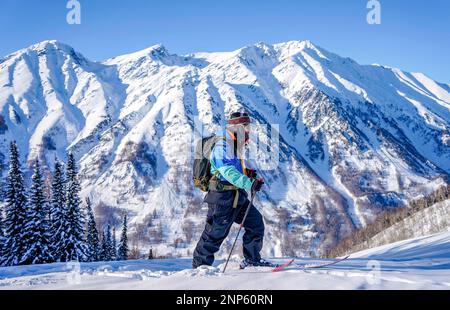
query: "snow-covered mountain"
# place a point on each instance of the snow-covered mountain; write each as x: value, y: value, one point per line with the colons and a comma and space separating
x: 354, y: 139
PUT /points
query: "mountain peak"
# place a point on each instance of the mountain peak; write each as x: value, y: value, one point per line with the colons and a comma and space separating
x: 156, y: 52
x: 50, y: 44
x: 291, y: 48
x: 48, y: 47
x: 300, y: 44
x: 260, y: 45
x: 44, y: 46
x: 47, y: 42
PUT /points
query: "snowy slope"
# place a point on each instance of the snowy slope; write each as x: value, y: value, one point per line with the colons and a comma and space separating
x: 431, y: 220
x: 431, y: 249
x: 354, y: 139
x: 422, y: 263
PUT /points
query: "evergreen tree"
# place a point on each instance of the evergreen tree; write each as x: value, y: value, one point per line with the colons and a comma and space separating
x: 92, y: 241
x: 106, y: 244
x: 37, y: 234
x: 103, y: 247
x: 16, y: 212
x: 122, y: 252
x: 114, y: 245
x: 73, y: 247
x: 57, y: 211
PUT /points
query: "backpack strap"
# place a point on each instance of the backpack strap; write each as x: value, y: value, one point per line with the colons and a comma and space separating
x: 213, y: 145
x: 215, y: 182
x: 215, y: 175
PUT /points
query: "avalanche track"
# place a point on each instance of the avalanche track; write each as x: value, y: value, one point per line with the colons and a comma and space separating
x: 421, y: 263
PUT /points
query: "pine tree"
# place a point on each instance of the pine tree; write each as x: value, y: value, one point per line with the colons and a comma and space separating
x: 73, y: 247
x: 16, y: 212
x: 103, y: 255
x: 92, y: 241
x: 122, y: 252
x: 114, y: 245
x: 37, y: 234
x: 106, y: 244
x: 57, y: 211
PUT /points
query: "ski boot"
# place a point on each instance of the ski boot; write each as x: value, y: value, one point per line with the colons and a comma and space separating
x: 262, y: 263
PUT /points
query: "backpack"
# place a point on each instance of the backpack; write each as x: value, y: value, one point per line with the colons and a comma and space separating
x: 202, y: 164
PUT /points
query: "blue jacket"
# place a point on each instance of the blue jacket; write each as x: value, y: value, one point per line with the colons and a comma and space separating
x: 231, y: 169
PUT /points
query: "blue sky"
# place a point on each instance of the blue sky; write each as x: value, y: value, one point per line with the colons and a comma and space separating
x: 414, y: 35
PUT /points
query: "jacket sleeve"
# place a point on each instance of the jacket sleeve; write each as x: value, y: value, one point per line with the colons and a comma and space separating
x: 220, y: 162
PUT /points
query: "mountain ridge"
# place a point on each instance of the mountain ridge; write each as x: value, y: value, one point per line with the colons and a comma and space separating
x: 355, y: 139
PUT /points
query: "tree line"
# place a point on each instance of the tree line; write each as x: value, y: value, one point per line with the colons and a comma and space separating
x: 386, y: 220
x: 36, y: 229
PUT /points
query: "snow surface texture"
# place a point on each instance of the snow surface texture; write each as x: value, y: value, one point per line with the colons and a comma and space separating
x: 422, y: 263
x: 353, y: 138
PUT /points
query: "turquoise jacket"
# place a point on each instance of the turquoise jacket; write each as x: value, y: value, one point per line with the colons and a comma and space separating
x: 228, y: 165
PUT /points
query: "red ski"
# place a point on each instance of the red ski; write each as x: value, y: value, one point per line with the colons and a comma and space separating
x: 280, y: 268
x: 325, y: 264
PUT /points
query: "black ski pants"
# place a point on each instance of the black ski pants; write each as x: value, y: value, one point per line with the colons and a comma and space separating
x: 221, y: 216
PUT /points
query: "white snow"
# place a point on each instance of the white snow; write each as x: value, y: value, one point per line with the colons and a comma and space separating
x: 421, y: 263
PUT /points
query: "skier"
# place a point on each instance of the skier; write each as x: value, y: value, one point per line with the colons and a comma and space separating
x: 227, y: 198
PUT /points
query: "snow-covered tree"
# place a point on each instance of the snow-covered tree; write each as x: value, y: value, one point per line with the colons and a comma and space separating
x: 73, y: 247
x: 57, y: 211
x: 16, y: 212
x: 122, y: 252
x: 106, y: 244
x: 103, y: 247
x: 37, y: 233
x: 92, y: 240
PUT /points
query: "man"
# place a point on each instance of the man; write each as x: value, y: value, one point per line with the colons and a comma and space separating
x: 227, y: 198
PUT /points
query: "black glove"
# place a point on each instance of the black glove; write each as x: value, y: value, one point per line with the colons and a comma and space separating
x: 252, y: 174
x: 257, y: 185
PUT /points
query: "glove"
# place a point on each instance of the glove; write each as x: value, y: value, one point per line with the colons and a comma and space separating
x: 252, y: 174
x: 257, y: 185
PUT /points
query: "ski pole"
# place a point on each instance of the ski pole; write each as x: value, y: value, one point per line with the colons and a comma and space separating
x: 239, y: 232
